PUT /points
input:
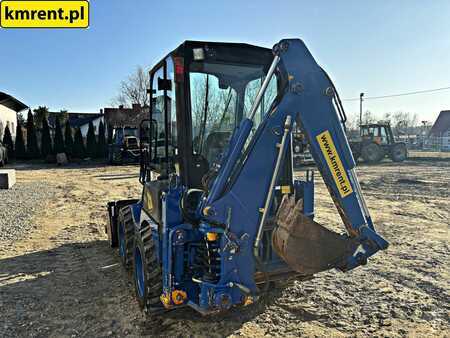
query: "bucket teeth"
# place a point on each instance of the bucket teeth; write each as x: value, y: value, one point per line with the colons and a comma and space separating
x: 306, y: 246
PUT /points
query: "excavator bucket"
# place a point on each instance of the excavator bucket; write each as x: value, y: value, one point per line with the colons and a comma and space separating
x: 306, y: 246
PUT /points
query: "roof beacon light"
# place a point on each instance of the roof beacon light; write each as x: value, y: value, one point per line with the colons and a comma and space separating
x: 199, y: 54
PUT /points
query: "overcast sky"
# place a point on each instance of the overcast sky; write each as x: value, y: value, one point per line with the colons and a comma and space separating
x: 375, y: 47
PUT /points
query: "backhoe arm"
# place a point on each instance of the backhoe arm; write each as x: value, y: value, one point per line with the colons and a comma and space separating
x: 244, y: 186
x: 313, y: 95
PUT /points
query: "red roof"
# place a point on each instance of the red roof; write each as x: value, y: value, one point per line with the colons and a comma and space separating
x: 442, y: 124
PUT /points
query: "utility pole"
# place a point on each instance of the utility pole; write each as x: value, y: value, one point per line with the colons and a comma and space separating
x: 360, y: 108
x: 424, y: 133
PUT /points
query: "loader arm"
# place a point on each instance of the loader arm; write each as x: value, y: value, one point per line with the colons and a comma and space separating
x: 241, y: 195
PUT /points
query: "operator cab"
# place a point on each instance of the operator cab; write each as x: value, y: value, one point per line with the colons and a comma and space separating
x: 121, y: 134
x: 378, y: 133
x: 200, y: 93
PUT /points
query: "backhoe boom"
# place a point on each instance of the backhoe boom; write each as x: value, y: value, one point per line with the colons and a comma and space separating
x: 309, y: 97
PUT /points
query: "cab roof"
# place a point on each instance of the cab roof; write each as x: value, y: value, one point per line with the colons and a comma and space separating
x: 230, y: 52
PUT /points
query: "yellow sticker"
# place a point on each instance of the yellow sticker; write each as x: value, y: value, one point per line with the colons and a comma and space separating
x: 285, y: 189
x: 44, y: 14
x: 334, y: 163
x: 148, y: 203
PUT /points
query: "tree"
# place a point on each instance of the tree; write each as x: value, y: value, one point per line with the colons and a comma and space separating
x: 387, y: 117
x: 20, y: 118
x: 8, y: 142
x: 20, y: 151
x: 134, y: 89
x: 59, y: 141
x: 40, y: 114
x: 78, y: 145
x: 368, y: 117
x: 352, y: 123
x: 110, y: 134
x: 63, y: 116
x: 404, y: 122
x: 46, y: 140
x: 101, y: 144
x: 91, y: 144
x: 32, y: 145
x: 68, y: 139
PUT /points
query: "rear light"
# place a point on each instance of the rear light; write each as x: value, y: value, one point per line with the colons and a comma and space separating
x: 179, y: 69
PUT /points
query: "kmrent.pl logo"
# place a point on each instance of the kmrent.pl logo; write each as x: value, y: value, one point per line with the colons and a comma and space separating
x: 44, y: 14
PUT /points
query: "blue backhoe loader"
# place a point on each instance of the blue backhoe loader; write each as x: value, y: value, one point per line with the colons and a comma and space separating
x: 221, y: 215
x: 124, y: 147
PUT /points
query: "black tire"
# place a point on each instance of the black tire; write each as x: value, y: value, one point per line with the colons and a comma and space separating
x: 399, y: 153
x: 147, y: 272
x: 372, y: 153
x: 125, y: 231
x: 356, y: 154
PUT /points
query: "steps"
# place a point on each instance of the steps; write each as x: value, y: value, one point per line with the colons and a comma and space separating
x: 7, y: 178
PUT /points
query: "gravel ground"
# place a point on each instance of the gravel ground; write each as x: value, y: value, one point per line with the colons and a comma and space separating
x: 18, y: 205
x: 63, y: 280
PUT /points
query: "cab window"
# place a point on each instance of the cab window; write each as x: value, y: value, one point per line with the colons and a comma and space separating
x: 164, y: 142
x: 158, y: 112
x: 384, y: 137
x: 252, y: 90
x: 171, y: 108
x: 221, y: 95
x: 213, y: 112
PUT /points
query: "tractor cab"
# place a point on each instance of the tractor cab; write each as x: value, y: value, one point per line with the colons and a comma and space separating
x: 380, y: 133
x: 200, y: 92
x: 376, y: 142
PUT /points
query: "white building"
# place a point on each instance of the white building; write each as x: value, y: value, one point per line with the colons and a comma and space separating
x: 83, y: 123
x: 439, y: 136
x: 9, y: 107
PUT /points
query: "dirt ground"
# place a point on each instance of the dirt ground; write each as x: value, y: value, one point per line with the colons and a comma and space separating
x: 63, y: 280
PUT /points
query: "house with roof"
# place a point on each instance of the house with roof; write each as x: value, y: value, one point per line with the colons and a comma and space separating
x: 440, y: 131
x: 9, y: 108
x: 78, y: 120
x: 124, y: 116
x: 82, y: 121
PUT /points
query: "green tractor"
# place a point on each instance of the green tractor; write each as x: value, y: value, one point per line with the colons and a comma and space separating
x: 376, y: 142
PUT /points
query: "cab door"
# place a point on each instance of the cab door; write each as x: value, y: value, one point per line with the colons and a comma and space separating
x: 164, y: 140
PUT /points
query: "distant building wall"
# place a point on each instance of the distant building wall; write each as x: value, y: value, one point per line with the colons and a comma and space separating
x: 85, y: 127
x: 446, y: 141
x: 8, y: 117
x: 125, y: 117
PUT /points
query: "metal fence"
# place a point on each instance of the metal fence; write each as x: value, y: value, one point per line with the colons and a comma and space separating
x: 437, y: 143
x: 429, y: 143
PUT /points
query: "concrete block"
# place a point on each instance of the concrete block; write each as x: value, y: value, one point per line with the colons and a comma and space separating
x: 61, y: 159
x: 7, y: 178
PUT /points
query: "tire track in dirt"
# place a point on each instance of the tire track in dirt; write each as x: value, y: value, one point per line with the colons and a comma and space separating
x: 64, y: 280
